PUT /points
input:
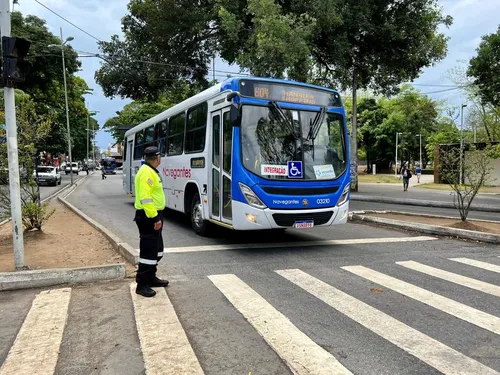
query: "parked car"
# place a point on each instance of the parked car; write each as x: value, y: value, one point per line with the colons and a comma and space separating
x: 48, y: 175
x: 75, y: 168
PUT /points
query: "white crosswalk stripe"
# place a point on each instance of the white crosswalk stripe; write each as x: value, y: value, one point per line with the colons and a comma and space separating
x: 165, y: 347
x: 427, y: 349
x: 479, y: 264
x: 449, y: 306
x: 41, y: 345
x: 36, y: 348
x: 453, y: 277
x: 278, y: 245
x: 299, y: 352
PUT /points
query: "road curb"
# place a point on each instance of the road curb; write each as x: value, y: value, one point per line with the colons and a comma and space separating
x: 419, y: 202
x: 56, y: 276
x: 428, y: 229
x: 123, y: 248
x: 362, y: 212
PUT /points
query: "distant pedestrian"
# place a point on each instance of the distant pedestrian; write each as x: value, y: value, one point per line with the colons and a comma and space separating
x: 103, y: 174
x: 406, y: 174
x: 418, y: 172
x: 149, y: 205
x: 86, y: 168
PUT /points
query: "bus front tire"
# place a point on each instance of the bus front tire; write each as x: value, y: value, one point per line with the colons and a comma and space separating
x: 197, y: 222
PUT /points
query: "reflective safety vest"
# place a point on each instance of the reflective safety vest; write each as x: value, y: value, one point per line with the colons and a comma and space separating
x: 149, y: 195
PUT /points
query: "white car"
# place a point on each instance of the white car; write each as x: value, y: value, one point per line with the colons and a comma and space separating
x: 75, y: 168
x: 47, y: 175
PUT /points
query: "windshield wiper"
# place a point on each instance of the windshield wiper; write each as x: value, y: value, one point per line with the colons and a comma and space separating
x: 283, y: 119
x: 316, y: 124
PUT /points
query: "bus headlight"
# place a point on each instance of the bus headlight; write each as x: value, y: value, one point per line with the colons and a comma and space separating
x: 252, y: 198
x: 343, y: 197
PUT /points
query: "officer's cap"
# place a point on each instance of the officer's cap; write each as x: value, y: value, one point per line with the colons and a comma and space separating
x: 151, y: 151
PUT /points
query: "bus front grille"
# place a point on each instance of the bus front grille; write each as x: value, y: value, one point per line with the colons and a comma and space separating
x: 277, y: 190
x: 288, y: 220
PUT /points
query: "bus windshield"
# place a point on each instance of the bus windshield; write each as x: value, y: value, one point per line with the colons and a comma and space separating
x: 109, y: 163
x: 271, y: 137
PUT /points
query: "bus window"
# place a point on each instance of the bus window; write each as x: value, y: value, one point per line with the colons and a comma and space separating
x: 228, y: 139
x: 216, y: 141
x: 162, y: 136
x: 163, y: 129
x: 125, y: 146
x: 196, y: 127
x: 175, y: 139
x: 149, y: 135
x: 139, y: 145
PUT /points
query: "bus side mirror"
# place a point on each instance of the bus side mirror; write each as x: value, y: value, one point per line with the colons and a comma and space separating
x: 234, y: 115
x: 233, y: 95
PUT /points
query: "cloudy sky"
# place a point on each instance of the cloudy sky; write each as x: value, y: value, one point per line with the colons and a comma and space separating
x: 101, y: 19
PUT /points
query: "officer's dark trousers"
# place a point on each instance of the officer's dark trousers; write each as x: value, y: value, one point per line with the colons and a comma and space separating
x: 150, y: 247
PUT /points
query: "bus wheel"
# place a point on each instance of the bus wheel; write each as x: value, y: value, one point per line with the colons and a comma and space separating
x: 197, y: 222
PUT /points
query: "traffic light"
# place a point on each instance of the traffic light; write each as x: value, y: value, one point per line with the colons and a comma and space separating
x: 15, y: 68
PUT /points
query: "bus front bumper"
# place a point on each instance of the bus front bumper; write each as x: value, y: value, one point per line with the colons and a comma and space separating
x: 246, y: 217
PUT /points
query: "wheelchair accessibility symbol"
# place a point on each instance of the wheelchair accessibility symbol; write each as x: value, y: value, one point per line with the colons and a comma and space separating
x: 294, y: 169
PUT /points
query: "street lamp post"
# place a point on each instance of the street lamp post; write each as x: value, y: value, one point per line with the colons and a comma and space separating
x: 420, y: 158
x: 63, y: 42
x: 461, y: 141
x: 396, y: 165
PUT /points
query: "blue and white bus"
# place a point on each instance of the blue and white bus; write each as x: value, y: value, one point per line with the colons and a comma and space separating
x: 109, y: 166
x: 250, y: 153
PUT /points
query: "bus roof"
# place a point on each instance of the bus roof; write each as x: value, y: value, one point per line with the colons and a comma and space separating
x: 230, y: 84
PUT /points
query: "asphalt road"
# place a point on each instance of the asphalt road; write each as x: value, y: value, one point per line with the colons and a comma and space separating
x: 46, y: 191
x: 241, y: 316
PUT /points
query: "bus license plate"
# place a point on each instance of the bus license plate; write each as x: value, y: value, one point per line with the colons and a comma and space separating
x: 304, y: 224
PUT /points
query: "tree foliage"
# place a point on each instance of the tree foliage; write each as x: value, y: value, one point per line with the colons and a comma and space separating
x: 178, y: 36
x: 377, y: 43
x: 481, y: 117
x: 409, y: 113
x: 484, y: 69
x: 45, y: 86
x: 133, y: 114
x: 32, y: 128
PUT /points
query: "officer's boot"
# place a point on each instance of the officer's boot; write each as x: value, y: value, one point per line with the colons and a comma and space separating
x: 159, y: 283
x: 145, y: 290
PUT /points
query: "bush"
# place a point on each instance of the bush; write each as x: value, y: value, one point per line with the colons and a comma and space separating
x: 35, y: 216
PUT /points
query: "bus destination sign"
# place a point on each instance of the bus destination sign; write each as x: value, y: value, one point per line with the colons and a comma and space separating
x: 284, y: 92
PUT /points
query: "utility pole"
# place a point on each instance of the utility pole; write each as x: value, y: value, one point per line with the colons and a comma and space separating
x: 88, y: 120
x: 354, y: 136
x: 10, y: 121
x: 420, y: 158
x: 67, y: 107
x: 396, y: 165
x: 461, y: 141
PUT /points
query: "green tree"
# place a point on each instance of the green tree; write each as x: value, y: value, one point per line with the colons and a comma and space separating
x: 353, y: 44
x: 178, y: 36
x: 485, y: 69
x: 446, y: 133
x: 409, y: 113
x: 133, y: 114
x: 31, y: 128
x: 44, y: 84
x: 481, y: 118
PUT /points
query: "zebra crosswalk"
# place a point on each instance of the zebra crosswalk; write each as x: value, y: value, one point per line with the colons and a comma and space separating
x: 277, y: 312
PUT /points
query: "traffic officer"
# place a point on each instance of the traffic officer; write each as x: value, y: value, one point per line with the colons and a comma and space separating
x: 149, y: 205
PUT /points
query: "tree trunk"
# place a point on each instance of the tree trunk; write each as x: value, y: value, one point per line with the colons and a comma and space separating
x: 354, y: 136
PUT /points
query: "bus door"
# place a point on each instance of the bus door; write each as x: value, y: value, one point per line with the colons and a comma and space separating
x: 129, y: 168
x: 220, y: 176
